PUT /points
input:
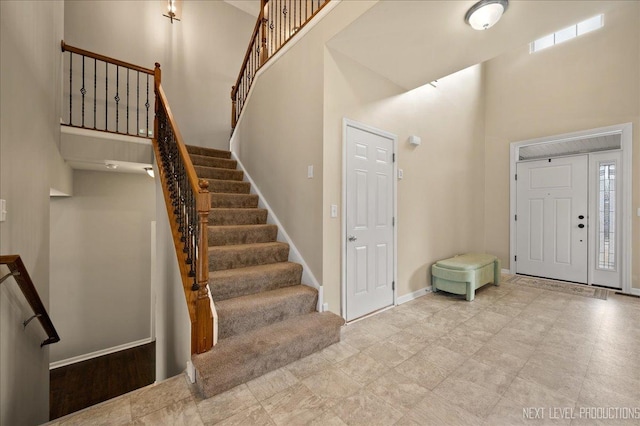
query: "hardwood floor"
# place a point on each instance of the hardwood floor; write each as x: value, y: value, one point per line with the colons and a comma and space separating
x: 90, y: 382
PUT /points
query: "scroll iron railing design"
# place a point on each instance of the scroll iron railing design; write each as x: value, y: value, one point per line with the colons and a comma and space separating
x: 187, y: 201
x: 109, y: 95
x: 278, y: 22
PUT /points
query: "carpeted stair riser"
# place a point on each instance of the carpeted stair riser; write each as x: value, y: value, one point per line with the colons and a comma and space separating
x: 217, y: 173
x: 229, y: 186
x: 242, y: 314
x: 233, y: 201
x: 237, y: 217
x: 229, y: 283
x: 220, y: 163
x: 209, y: 152
x: 241, y: 234
x: 239, y: 256
x: 238, y: 359
x: 266, y: 318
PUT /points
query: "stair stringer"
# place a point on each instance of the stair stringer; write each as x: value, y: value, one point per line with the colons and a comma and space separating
x: 294, y: 254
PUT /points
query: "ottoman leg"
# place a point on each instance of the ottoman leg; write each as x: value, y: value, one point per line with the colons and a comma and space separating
x: 434, y: 289
x: 471, y: 292
x: 496, y: 272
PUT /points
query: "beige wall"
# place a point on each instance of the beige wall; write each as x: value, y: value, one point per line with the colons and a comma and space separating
x: 281, y: 133
x: 30, y: 34
x: 589, y: 82
x: 200, y: 56
x: 101, y: 262
x: 441, y: 196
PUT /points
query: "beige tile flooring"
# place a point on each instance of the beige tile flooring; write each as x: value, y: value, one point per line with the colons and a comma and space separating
x: 437, y: 360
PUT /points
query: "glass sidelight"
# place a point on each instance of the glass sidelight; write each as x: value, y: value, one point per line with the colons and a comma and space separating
x: 606, y: 232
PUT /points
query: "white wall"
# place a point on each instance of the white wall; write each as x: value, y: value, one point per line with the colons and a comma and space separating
x: 200, y: 56
x: 101, y: 262
x: 173, y: 326
x: 30, y: 34
x: 588, y: 82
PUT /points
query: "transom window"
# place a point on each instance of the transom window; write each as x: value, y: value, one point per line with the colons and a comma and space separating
x: 568, y: 33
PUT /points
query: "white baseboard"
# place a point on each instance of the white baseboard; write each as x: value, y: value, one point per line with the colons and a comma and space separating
x: 307, y: 276
x: 505, y: 271
x: 101, y: 352
x: 409, y: 297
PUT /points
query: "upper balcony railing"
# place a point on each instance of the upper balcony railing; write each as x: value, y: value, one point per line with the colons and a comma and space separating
x: 18, y: 271
x: 278, y: 22
x: 106, y: 94
x: 109, y: 95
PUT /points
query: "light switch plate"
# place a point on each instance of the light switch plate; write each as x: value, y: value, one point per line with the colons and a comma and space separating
x: 400, y: 174
x: 334, y: 210
x: 638, y: 211
x: 3, y: 210
x: 309, y: 172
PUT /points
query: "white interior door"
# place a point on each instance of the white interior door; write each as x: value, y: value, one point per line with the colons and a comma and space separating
x: 551, y: 225
x: 369, y: 222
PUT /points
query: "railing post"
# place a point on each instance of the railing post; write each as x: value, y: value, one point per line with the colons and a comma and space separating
x: 264, y: 52
x: 157, y: 78
x: 234, y: 104
x: 204, y: 316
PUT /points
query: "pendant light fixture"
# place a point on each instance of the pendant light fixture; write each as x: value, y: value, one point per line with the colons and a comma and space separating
x: 485, y: 13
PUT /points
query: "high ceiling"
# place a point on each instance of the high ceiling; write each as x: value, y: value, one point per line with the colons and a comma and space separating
x: 252, y: 7
x: 414, y: 42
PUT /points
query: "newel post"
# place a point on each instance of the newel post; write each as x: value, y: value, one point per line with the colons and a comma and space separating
x: 157, y: 77
x: 234, y: 104
x: 204, y: 316
x: 264, y: 52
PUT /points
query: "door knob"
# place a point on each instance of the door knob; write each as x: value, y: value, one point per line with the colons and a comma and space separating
x: 581, y: 217
x: 581, y: 225
x: 352, y: 238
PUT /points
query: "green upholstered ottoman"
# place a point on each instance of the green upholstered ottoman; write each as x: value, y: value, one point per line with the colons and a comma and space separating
x: 466, y: 273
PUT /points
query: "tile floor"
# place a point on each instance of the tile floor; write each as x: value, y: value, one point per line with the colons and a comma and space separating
x: 515, y: 352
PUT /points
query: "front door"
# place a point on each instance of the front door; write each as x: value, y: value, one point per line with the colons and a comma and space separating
x: 551, y: 222
x: 369, y: 217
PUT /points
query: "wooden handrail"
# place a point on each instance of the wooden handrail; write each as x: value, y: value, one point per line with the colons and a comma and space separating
x: 247, y: 55
x: 67, y: 48
x: 195, y: 280
x: 21, y: 275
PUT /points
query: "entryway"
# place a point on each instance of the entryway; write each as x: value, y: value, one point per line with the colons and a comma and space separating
x: 369, y: 249
x: 571, y: 207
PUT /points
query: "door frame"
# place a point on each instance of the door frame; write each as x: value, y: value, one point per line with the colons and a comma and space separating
x: 626, y: 132
x: 343, y: 213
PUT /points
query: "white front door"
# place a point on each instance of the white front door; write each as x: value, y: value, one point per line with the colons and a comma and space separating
x: 551, y: 224
x: 369, y: 222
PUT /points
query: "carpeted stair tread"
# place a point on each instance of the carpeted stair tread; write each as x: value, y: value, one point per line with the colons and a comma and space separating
x: 205, y: 160
x: 251, y: 216
x: 231, y: 201
x: 241, y: 358
x: 229, y: 186
x: 229, y: 283
x: 241, y: 255
x: 241, y: 234
x: 242, y: 314
x: 205, y: 172
x: 209, y: 152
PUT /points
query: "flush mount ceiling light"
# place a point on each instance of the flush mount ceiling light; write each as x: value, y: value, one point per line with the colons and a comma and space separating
x: 485, y: 13
x: 149, y: 171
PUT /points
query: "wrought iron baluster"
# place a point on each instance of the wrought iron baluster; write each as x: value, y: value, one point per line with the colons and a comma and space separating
x: 117, y: 96
x: 95, y: 92
x: 128, y: 130
x: 106, y: 96
x: 70, y: 88
x: 138, y: 103
x: 147, y: 106
x: 83, y: 90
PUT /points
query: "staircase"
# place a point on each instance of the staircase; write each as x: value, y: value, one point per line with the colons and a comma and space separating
x: 266, y: 317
